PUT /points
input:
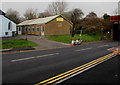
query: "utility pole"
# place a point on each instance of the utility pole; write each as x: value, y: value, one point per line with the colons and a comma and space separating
x: 101, y: 33
x: 26, y: 32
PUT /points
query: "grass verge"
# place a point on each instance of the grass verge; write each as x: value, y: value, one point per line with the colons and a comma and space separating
x: 17, y: 44
x: 68, y: 38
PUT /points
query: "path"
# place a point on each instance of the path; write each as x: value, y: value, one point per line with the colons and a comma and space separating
x: 44, y: 43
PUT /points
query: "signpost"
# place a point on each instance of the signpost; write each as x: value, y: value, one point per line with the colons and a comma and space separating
x: 116, y: 19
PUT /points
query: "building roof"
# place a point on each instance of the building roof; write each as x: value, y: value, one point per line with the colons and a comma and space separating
x: 1, y: 12
x: 40, y: 20
x: 4, y: 15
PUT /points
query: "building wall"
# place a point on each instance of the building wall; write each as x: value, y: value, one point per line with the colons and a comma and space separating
x: 57, y: 27
x: 53, y: 27
x: 30, y: 29
x: 4, y: 31
x: 34, y: 29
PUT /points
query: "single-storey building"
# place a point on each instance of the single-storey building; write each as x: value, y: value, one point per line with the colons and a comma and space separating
x: 53, y: 25
x: 7, y: 26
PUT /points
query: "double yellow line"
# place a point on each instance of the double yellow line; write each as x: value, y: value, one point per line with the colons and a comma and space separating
x: 76, y: 70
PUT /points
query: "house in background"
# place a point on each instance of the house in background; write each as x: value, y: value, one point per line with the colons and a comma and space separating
x: 53, y: 25
x: 7, y: 27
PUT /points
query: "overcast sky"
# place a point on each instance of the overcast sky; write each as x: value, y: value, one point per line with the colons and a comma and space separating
x: 98, y: 7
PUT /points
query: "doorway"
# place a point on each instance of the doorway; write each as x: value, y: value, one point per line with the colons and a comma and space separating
x: 116, y: 31
x: 42, y: 30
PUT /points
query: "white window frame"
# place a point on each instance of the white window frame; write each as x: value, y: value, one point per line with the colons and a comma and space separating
x: 9, y: 26
x: 33, y: 29
x: 37, y: 29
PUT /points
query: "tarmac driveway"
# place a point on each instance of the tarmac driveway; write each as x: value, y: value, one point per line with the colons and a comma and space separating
x: 43, y: 42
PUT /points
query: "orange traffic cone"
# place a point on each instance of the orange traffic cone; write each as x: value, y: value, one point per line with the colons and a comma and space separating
x: 72, y: 42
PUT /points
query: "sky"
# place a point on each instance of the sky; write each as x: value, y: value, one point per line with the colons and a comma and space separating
x: 98, y: 6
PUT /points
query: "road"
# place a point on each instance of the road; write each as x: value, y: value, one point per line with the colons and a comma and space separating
x: 33, y: 67
x: 107, y: 73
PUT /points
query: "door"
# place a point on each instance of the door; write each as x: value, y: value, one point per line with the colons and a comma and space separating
x: 116, y: 32
x: 19, y: 30
x: 42, y: 30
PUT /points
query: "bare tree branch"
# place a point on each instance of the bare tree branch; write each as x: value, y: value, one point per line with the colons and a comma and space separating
x: 57, y: 7
x: 30, y: 14
x: 13, y: 15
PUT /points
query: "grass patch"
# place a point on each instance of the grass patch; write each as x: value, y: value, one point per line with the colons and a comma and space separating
x: 68, y: 38
x: 0, y: 44
x: 17, y: 44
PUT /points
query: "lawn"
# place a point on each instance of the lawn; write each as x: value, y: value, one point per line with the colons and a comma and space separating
x: 68, y: 38
x: 0, y: 44
x: 17, y: 44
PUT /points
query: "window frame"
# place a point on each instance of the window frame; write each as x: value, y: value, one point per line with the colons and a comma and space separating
x: 9, y: 26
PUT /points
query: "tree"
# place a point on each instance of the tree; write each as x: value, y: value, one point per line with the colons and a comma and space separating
x: 43, y: 14
x: 91, y: 15
x: 106, y: 16
x: 57, y: 7
x: 13, y: 15
x: 30, y: 14
x: 76, y: 14
x: 106, y: 22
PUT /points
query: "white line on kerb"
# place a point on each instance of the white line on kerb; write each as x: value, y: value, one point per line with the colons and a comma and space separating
x: 102, y: 46
x: 84, y: 49
x: 22, y: 59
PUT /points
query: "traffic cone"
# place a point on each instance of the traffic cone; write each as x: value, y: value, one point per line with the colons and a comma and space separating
x: 72, y: 42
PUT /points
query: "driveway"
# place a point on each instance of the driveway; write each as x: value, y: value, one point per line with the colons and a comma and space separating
x: 44, y: 43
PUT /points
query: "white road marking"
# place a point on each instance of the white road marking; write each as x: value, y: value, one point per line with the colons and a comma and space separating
x: 102, y: 46
x: 84, y: 49
x: 47, y: 55
x: 22, y: 59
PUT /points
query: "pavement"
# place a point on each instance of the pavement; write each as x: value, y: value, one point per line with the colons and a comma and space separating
x: 43, y: 43
x: 28, y: 68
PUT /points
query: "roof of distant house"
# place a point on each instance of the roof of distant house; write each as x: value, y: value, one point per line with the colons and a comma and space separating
x: 41, y: 20
x: 1, y: 12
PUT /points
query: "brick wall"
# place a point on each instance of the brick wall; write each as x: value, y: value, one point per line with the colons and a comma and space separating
x: 57, y: 27
x: 53, y: 27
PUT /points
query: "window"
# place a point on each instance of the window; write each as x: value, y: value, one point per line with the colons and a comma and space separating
x: 20, y: 28
x: 37, y: 29
x: 6, y: 33
x: 33, y: 29
x: 17, y: 28
x: 25, y: 29
x: 9, y: 26
x: 59, y: 24
x: 28, y: 29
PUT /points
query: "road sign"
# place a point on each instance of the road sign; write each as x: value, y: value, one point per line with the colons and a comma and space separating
x: 115, y: 18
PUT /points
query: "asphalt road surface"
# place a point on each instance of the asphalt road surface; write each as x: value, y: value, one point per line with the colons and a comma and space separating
x: 107, y: 73
x: 33, y: 67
